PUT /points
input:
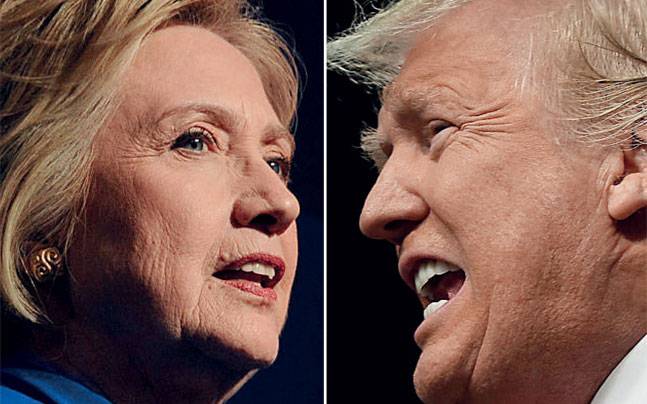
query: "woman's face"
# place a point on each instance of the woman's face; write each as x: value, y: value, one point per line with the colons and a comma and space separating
x: 189, y: 246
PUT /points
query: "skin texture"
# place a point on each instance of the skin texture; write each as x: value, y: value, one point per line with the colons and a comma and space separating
x: 160, y: 220
x: 481, y: 174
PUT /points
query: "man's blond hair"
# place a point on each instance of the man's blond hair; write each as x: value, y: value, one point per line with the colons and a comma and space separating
x: 598, y: 49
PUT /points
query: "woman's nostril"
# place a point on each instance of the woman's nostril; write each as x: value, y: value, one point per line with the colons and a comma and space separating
x: 264, y: 220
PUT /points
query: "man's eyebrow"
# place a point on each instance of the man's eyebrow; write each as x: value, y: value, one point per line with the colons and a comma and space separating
x: 371, y: 144
x: 387, y: 93
x: 412, y: 97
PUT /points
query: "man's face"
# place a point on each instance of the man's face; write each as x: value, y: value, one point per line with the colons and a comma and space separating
x: 479, y: 176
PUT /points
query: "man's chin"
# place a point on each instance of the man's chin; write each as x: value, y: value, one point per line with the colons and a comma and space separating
x: 443, y: 373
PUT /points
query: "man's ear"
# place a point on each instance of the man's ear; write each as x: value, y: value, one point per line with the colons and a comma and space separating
x: 629, y: 193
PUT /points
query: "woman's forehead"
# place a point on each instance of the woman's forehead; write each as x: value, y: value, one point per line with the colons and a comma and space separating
x: 205, y: 69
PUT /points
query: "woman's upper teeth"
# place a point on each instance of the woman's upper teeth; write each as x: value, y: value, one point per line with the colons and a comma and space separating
x: 428, y: 269
x: 259, y: 268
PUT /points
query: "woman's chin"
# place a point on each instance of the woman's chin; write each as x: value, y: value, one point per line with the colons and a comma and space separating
x: 256, y: 355
x: 240, y: 352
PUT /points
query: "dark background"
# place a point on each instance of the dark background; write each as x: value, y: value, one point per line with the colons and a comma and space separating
x: 372, y: 314
x: 297, y: 375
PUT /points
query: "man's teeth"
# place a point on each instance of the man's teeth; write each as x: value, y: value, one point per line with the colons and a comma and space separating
x: 428, y: 270
x: 433, y: 306
x: 259, y: 268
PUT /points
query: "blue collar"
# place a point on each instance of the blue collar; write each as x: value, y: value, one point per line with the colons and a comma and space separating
x: 26, y: 378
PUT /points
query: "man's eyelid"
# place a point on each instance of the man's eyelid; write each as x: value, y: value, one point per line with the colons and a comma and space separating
x: 387, y: 148
x: 436, y: 126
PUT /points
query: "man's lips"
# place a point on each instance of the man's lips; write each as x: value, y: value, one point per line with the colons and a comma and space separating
x: 256, y: 273
x: 410, y: 262
x: 436, y: 281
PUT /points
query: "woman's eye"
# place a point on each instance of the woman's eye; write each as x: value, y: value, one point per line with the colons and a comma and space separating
x: 195, y: 140
x: 281, y: 166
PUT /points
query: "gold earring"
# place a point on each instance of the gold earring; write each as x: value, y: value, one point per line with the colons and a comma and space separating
x: 45, y: 264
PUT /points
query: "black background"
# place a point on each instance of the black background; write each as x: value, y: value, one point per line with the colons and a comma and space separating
x: 297, y: 375
x: 372, y: 314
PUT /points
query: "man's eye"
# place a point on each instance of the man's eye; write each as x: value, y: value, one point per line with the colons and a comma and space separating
x: 436, y: 139
x: 437, y: 126
x: 194, y: 140
x: 281, y: 166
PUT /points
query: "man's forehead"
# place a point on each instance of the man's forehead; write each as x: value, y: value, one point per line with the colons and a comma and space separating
x: 411, y: 94
x: 485, y: 40
x: 501, y: 12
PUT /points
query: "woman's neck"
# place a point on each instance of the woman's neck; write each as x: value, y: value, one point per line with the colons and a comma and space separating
x: 124, y: 370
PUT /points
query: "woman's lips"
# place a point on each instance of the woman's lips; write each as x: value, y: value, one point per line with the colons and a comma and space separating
x: 256, y: 273
x: 253, y: 288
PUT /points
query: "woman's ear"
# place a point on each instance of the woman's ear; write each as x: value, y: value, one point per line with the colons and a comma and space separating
x: 629, y: 193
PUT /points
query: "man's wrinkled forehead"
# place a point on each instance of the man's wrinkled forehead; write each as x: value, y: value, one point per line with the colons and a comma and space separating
x: 466, y: 44
x: 406, y: 99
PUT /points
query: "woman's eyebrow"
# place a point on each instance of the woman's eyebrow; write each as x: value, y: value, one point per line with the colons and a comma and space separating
x: 279, y: 132
x: 221, y: 116
x: 152, y: 121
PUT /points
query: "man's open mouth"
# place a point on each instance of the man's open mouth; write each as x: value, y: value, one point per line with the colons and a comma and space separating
x: 255, y: 273
x: 437, y: 282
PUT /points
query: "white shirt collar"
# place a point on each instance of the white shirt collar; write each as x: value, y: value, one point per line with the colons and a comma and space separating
x: 627, y: 383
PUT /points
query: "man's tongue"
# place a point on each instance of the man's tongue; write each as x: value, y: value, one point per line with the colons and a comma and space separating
x: 448, y: 285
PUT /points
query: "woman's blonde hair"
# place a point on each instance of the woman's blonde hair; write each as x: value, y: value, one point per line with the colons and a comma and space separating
x: 60, y: 64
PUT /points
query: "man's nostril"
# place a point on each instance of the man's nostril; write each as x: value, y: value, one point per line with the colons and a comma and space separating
x: 394, y: 225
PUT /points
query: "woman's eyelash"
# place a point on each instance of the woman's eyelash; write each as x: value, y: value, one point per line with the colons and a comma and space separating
x: 194, y: 139
x: 281, y: 166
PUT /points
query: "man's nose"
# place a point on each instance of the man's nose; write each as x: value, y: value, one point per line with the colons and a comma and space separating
x: 266, y: 204
x: 393, y: 208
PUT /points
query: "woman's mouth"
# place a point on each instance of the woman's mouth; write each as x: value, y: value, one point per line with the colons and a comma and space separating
x: 437, y: 282
x: 257, y: 274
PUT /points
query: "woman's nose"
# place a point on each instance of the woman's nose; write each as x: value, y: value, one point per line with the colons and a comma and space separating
x: 392, y: 209
x: 266, y: 205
